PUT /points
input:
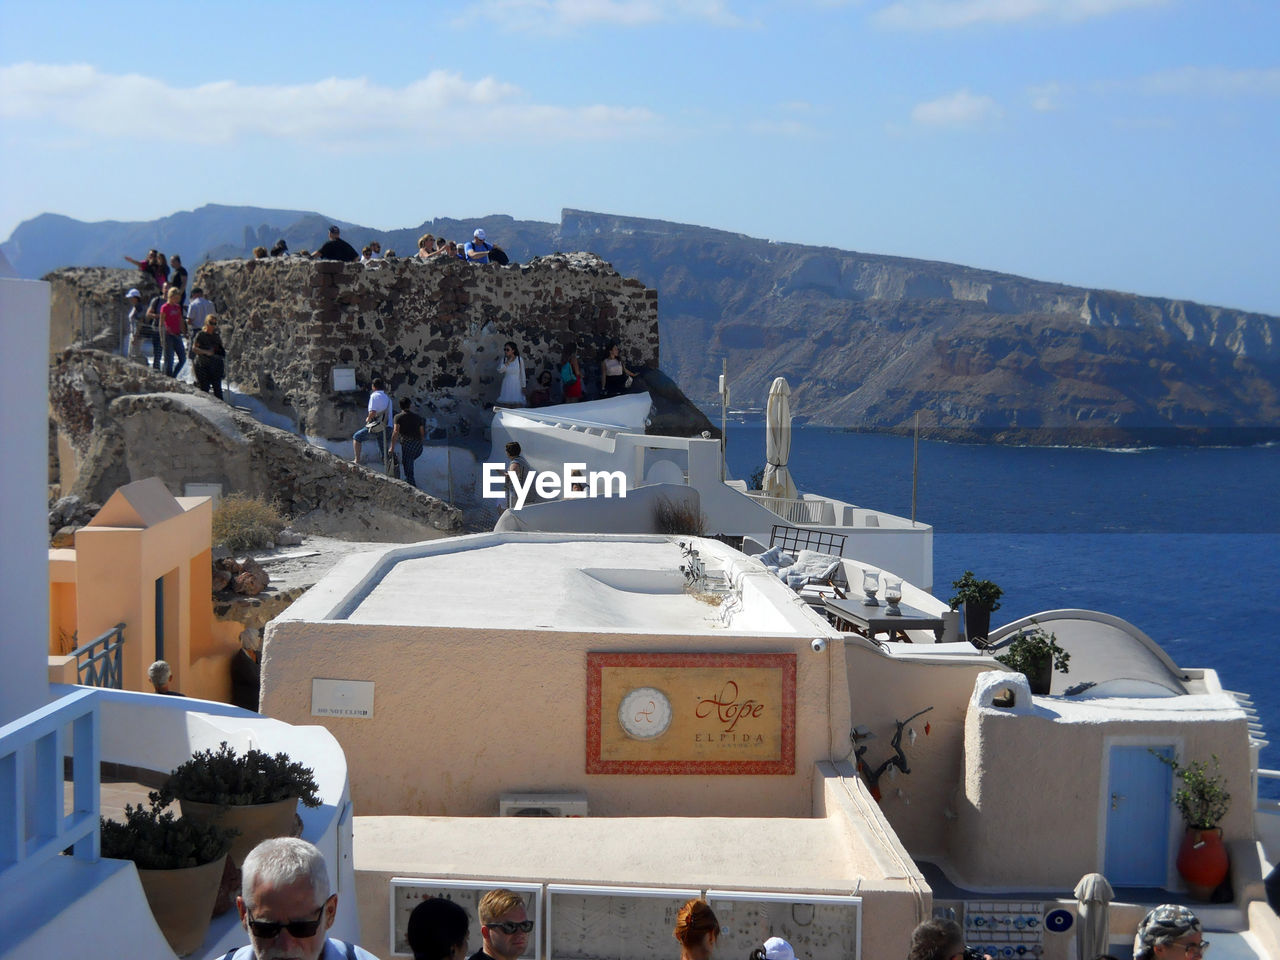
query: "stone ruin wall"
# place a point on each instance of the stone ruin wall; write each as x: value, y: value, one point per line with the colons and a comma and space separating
x: 432, y: 330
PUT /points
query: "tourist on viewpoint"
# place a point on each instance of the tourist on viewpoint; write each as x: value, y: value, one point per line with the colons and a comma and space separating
x: 175, y: 331
x: 438, y: 930
x: 410, y: 430
x: 208, y: 357
x: 477, y: 249
x: 335, y: 248
x: 151, y: 267
x: 614, y: 375
x: 504, y: 926
x: 511, y: 366
x: 426, y: 247
x: 570, y: 373
x: 697, y: 930
x: 517, y: 467
x: 141, y: 328
x: 286, y: 907
x: 375, y: 421
x: 540, y: 396
x: 178, y: 276
x: 199, y: 309
x: 1169, y: 932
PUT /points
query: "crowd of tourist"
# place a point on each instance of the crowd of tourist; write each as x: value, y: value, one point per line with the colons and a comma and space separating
x: 177, y: 330
x: 430, y: 247
x: 561, y: 381
x: 174, y: 328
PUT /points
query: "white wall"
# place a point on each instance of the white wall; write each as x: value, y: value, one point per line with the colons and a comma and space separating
x: 24, y: 528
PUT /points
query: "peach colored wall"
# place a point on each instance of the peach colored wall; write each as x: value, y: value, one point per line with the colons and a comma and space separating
x: 1057, y: 842
x: 884, y: 690
x: 461, y: 716
x: 116, y: 572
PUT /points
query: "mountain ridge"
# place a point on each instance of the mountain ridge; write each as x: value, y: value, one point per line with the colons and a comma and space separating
x: 867, y: 341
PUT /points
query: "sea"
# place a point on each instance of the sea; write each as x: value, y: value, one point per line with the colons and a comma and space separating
x: 1182, y: 542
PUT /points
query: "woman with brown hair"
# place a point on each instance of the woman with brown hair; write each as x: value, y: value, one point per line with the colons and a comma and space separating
x: 697, y: 930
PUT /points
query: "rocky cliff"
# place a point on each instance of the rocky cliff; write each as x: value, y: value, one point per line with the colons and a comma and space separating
x: 866, y: 341
x: 118, y: 422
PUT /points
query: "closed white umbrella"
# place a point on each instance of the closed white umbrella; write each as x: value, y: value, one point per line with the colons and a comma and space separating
x: 777, y: 478
x: 1093, y: 909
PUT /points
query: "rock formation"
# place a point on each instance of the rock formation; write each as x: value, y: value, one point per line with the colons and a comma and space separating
x: 119, y: 422
x: 432, y: 330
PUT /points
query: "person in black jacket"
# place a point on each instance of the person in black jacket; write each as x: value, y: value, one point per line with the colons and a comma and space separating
x: 335, y: 248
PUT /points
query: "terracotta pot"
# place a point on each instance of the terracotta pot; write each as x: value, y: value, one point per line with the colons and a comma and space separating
x: 1202, y: 861
x: 182, y: 902
x: 256, y: 822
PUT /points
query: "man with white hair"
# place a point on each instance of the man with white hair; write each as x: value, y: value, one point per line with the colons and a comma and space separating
x: 286, y: 907
x: 160, y: 673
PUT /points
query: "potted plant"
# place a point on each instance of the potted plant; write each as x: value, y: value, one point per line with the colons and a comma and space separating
x: 254, y: 793
x: 1203, y: 801
x: 180, y: 863
x: 979, y: 598
x: 1036, y: 654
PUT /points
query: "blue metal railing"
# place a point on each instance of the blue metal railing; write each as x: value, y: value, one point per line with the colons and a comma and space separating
x: 33, y: 827
x: 101, y: 668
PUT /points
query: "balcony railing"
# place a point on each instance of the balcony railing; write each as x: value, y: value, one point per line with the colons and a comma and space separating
x: 797, y: 511
x: 33, y: 827
x: 98, y: 661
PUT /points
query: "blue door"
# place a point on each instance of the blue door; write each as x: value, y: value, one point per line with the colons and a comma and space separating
x: 1138, y: 806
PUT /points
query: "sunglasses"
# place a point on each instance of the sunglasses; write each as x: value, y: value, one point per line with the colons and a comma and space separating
x: 511, y: 926
x: 298, y: 929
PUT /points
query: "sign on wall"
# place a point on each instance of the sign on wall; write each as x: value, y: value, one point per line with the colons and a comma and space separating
x: 685, y: 713
x: 342, y: 698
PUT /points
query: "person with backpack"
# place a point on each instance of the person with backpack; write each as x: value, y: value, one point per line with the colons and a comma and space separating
x: 375, y: 421
x: 477, y: 249
x: 570, y: 373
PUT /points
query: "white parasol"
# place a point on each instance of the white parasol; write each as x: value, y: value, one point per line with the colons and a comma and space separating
x: 1093, y: 909
x: 777, y: 478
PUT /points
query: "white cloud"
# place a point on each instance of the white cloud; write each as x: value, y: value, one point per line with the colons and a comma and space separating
x: 441, y: 104
x: 1046, y: 97
x: 960, y: 110
x: 552, y: 15
x: 949, y: 14
x: 1212, y: 81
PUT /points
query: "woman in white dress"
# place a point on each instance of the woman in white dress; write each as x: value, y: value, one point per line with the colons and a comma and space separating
x: 511, y: 366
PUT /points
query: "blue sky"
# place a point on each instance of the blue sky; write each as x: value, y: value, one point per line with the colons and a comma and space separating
x: 1127, y: 144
